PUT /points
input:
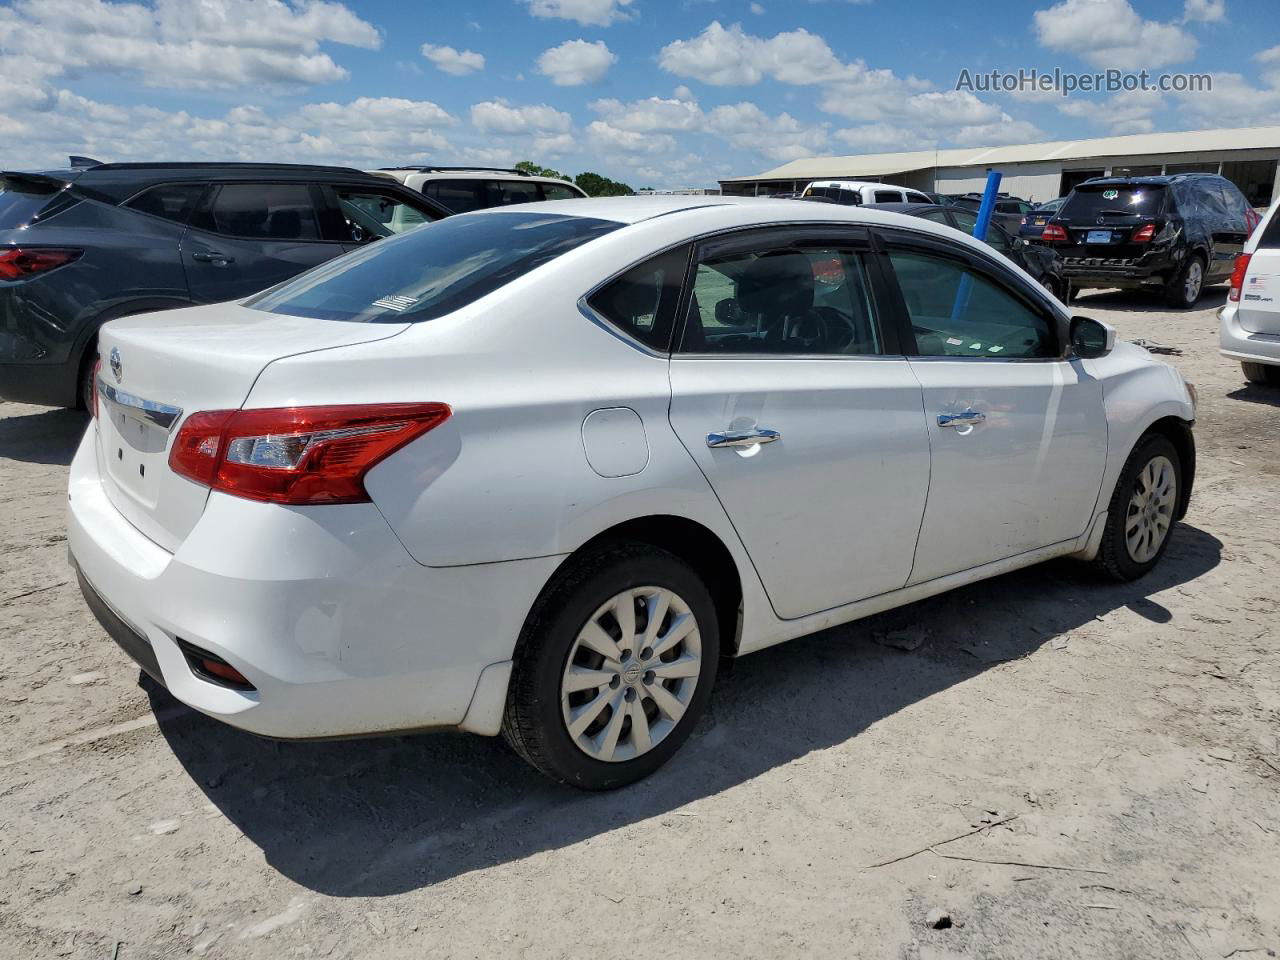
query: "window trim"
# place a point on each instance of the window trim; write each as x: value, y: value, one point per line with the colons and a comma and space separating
x: 205, y: 208
x: 982, y: 263
x: 857, y: 237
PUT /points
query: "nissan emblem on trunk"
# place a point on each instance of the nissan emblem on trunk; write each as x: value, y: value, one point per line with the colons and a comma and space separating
x: 116, y: 366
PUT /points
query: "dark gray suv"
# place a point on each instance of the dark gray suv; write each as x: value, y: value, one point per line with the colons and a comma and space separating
x: 82, y: 246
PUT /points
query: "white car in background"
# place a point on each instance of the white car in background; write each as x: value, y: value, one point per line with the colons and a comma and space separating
x: 463, y: 189
x: 538, y: 469
x: 858, y: 192
x: 1249, y: 324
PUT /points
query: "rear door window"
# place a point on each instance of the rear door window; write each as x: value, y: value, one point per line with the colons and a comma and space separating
x: 424, y: 274
x: 505, y: 192
x: 888, y: 196
x: 368, y: 215
x: 170, y: 201
x: 265, y: 211
x: 556, y: 191
x: 459, y: 195
x: 1270, y: 239
x: 642, y: 302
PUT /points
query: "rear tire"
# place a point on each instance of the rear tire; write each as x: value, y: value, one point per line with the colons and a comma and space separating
x: 599, y: 722
x: 1263, y: 373
x: 1140, y: 517
x: 1187, y: 283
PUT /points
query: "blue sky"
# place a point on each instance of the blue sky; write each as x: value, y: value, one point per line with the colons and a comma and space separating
x: 653, y: 93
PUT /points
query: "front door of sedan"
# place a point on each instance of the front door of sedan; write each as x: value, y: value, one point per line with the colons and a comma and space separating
x: 250, y: 236
x: 1019, y: 434
x: 794, y: 401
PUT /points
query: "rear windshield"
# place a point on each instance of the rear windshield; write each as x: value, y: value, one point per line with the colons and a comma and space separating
x: 427, y: 273
x: 1132, y: 200
x: 22, y: 203
x: 1270, y: 239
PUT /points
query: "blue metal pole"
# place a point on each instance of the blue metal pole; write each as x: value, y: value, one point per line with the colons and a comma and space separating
x: 980, y: 232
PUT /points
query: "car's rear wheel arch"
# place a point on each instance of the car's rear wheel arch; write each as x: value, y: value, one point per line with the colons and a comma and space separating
x: 697, y: 546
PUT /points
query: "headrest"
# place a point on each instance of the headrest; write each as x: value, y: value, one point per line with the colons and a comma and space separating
x: 777, y: 284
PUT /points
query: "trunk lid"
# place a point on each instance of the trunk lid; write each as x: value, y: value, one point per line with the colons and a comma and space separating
x: 159, y: 368
x: 1101, y: 220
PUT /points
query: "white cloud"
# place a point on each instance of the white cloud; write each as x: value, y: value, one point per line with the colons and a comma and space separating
x: 1234, y: 101
x: 456, y: 62
x: 1205, y: 11
x: 576, y: 62
x: 1126, y: 112
x: 596, y: 13
x: 178, y: 43
x: 497, y: 116
x: 651, y: 115
x: 1110, y: 33
x: 780, y: 138
x: 606, y: 138
x: 757, y: 9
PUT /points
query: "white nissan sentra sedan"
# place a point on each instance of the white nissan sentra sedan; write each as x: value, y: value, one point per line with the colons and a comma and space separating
x: 535, y: 470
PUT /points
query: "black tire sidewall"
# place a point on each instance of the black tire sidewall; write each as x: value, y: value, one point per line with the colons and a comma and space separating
x: 1116, y: 551
x: 544, y: 650
x: 1176, y: 291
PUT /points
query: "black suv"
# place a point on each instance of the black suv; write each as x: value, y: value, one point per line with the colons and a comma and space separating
x: 82, y: 246
x: 1170, y: 234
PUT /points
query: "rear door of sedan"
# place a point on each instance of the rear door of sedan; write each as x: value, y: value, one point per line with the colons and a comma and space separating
x: 795, y: 401
x: 1018, y: 432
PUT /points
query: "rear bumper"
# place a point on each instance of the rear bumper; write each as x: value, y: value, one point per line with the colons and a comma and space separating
x: 1147, y: 270
x: 47, y: 384
x: 1240, y: 344
x: 322, y: 609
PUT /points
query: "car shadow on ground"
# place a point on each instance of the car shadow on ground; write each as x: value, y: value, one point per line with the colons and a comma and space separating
x: 41, y: 436
x: 377, y: 817
x: 1257, y: 393
x: 1140, y: 301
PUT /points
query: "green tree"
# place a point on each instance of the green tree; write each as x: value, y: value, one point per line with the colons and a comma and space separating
x: 531, y: 168
x: 594, y: 185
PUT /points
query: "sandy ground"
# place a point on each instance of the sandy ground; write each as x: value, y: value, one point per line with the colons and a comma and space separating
x: 1132, y: 733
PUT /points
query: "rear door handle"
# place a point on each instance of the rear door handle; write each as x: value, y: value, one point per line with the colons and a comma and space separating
x: 742, y: 438
x: 966, y: 419
x: 212, y: 256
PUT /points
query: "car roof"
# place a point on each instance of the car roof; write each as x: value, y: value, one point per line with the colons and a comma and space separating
x: 859, y: 184
x: 119, y: 181
x: 1154, y: 179
x: 912, y: 209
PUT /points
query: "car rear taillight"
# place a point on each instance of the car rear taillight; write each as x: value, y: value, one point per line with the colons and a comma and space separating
x: 18, y: 263
x: 1144, y: 233
x: 1237, y: 276
x: 93, y: 387
x: 1054, y: 234
x: 297, y: 455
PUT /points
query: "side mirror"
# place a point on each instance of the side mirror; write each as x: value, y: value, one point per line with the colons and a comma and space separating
x: 1090, y: 338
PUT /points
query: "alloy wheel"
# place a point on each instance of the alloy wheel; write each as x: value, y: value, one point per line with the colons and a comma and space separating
x: 1151, y: 506
x: 631, y: 674
x: 1195, y: 278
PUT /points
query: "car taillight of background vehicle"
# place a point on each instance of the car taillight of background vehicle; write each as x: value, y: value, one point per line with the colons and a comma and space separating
x: 1144, y: 233
x: 1237, y: 276
x: 297, y: 455
x: 1054, y: 234
x: 93, y: 387
x: 18, y: 263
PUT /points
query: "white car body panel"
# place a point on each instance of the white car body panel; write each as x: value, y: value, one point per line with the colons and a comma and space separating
x: 404, y: 612
x: 1249, y: 328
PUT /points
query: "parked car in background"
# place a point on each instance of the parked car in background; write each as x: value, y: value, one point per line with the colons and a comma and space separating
x: 535, y: 469
x: 82, y: 246
x: 1168, y: 234
x: 1042, y: 263
x: 1031, y: 226
x: 1008, y: 211
x: 852, y: 193
x: 1249, y: 324
x: 460, y: 189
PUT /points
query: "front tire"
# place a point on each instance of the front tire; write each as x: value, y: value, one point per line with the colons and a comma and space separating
x: 614, y: 667
x: 1263, y: 373
x: 1141, y: 514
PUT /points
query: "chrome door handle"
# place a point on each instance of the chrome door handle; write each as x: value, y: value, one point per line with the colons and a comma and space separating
x: 966, y: 419
x: 742, y: 438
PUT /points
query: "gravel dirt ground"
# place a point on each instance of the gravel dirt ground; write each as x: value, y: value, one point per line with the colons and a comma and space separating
x: 1116, y: 748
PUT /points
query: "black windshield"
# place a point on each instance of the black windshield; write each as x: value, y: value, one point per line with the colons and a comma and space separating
x: 432, y: 270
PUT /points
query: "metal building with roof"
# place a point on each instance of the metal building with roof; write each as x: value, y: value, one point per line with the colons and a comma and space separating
x: 1041, y: 171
